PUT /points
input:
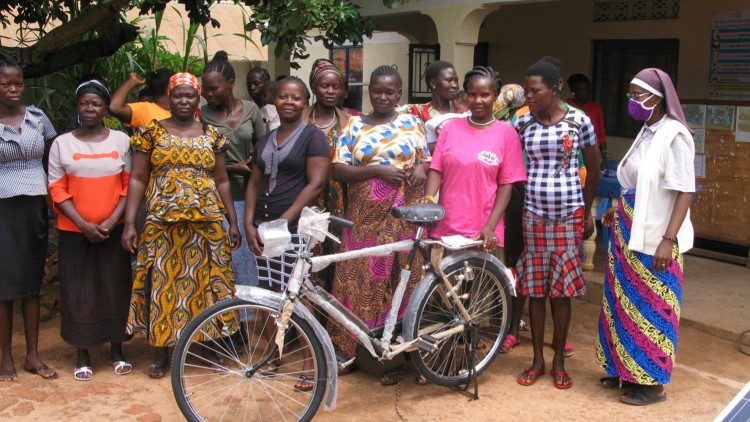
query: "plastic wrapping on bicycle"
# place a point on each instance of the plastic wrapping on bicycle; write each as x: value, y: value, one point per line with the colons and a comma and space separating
x: 419, y: 213
x: 341, y: 222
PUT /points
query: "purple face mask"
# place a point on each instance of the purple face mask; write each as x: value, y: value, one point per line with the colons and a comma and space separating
x: 638, y: 111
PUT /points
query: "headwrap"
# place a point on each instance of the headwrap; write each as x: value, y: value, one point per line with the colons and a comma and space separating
x: 512, y: 95
x: 657, y: 82
x: 184, y: 78
x: 93, y: 87
x: 323, y: 67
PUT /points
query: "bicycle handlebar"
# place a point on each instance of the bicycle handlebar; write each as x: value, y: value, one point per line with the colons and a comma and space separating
x: 341, y: 222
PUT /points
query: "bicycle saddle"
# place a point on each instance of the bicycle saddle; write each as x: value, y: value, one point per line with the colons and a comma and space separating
x: 419, y: 213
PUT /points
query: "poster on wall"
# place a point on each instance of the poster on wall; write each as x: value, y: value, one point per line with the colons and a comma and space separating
x: 743, y: 125
x: 700, y: 141
x: 729, y: 68
x: 720, y: 117
x: 695, y: 114
x: 700, y: 166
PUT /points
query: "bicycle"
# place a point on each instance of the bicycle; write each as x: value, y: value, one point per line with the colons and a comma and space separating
x: 455, y: 321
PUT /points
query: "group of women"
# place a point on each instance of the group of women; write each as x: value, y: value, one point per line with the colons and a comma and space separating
x: 195, y: 176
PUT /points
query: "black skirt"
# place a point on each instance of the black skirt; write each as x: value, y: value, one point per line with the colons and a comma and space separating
x: 23, y: 245
x: 95, y: 285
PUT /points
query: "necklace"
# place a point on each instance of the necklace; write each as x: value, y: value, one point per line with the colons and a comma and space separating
x: 481, y: 124
x: 327, y: 125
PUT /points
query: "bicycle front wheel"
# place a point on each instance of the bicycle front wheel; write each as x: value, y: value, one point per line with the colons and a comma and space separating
x: 485, y: 292
x: 243, y: 377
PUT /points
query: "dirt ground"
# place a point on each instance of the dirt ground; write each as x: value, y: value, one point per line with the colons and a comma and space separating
x: 709, y: 372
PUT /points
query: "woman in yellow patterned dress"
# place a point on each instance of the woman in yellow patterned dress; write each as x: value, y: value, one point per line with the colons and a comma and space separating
x: 183, y: 262
x: 383, y: 158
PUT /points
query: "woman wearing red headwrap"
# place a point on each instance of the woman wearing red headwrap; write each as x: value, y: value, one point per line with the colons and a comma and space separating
x: 650, y: 230
x: 187, y: 196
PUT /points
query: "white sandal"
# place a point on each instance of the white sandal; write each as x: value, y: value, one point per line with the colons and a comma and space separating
x: 122, y: 367
x: 83, y: 373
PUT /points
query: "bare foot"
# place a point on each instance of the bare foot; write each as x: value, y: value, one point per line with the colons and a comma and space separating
x: 8, y: 371
x: 41, y: 369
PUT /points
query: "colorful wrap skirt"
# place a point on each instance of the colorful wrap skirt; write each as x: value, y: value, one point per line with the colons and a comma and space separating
x: 639, y: 322
x: 181, y: 269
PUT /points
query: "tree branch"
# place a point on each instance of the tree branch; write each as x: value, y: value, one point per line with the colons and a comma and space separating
x: 91, y: 18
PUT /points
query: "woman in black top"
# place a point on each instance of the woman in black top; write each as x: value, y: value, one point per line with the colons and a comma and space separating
x: 290, y: 168
x: 290, y: 164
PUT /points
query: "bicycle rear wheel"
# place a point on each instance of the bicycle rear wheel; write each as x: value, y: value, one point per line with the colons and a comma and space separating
x: 228, y: 378
x: 487, y: 301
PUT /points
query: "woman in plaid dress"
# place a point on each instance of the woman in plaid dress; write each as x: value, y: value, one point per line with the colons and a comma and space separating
x: 556, y: 213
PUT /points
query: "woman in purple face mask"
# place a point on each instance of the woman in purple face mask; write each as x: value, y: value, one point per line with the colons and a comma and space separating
x: 650, y: 230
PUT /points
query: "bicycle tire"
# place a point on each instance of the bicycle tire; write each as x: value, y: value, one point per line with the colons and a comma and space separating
x: 240, y: 369
x: 490, y: 279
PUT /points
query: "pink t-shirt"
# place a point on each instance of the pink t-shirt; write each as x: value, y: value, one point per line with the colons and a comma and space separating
x: 474, y: 163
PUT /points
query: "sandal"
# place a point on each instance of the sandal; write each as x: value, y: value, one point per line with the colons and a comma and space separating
x: 269, y: 369
x: 391, y: 378
x: 157, y: 371
x: 561, y: 379
x: 121, y: 367
x: 421, y: 380
x: 642, y: 396
x: 609, y: 383
x: 83, y: 373
x: 529, y: 377
x: 509, y: 342
x: 304, y: 384
x: 568, y: 350
x: 42, y: 370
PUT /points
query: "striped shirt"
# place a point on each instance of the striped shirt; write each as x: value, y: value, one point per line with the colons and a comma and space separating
x: 21, y: 169
x: 93, y: 175
x: 553, y: 187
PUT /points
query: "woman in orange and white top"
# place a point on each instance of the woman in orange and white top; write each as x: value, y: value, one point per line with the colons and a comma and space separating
x: 89, y: 170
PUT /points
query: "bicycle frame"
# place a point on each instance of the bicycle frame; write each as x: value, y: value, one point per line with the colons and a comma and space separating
x: 379, y: 348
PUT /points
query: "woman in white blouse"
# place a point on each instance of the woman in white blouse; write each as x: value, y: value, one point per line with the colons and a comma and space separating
x: 650, y: 230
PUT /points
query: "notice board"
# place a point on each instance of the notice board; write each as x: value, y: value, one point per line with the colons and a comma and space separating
x: 721, y: 209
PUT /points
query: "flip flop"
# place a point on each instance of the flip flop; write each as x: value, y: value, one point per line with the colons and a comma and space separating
x: 83, y: 373
x: 642, y: 396
x: 421, y: 380
x: 509, y: 342
x: 528, y: 377
x: 121, y: 367
x: 568, y: 350
x: 609, y: 383
x: 156, y: 372
x: 43, y: 371
x: 304, y: 384
x: 391, y: 378
x: 558, y: 379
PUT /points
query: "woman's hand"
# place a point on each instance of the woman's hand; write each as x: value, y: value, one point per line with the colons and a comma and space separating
x: 93, y: 232
x: 609, y: 217
x: 663, y: 255
x: 129, y: 238
x: 253, y: 239
x: 235, y: 237
x: 136, y: 79
x: 391, y: 174
x: 418, y: 176
x: 487, y: 234
x: 588, y: 227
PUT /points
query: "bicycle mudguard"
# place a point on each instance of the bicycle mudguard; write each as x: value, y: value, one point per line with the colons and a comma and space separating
x: 272, y: 299
x: 422, y: 288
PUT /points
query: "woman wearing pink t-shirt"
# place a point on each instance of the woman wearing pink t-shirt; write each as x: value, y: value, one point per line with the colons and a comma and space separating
x: 476, y: 161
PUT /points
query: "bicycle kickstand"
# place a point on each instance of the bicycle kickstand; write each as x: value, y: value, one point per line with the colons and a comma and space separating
x: 471, y: 348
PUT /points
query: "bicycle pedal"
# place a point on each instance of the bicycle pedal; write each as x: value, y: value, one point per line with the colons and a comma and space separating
x: 427, y: 343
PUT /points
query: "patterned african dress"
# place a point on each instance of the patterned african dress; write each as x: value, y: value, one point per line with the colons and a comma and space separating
x: 366, y: 285
x: 184, y: 262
